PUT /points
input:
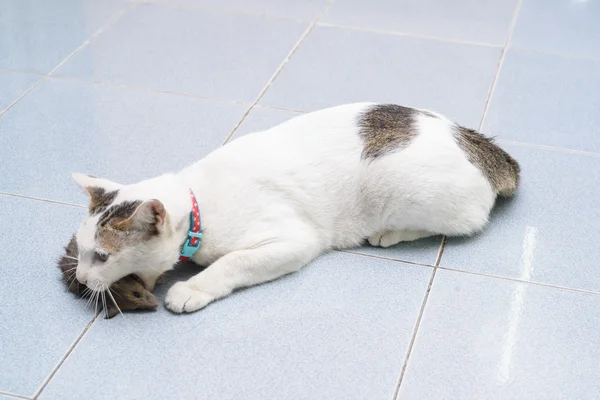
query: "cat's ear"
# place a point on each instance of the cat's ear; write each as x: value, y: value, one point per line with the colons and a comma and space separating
x: 87, y: 182
x: 150, y: 217
x: 102, y: 192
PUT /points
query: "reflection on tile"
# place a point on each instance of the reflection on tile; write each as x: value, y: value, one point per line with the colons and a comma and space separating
x: 549, y: 232
x: 557, y: 26
x: 261, y: 119
x: 304, y: 10
x: 484, y: 21
x: 550, y: 100
x: 40, y: 320
x: 228, y: 56
x: 422, y: 251
x: 335, y: 66
x: 339, y: 328
x: 36, y: 35
x: 13, y: 85
x: 118, y: 133
x: 486, y: 338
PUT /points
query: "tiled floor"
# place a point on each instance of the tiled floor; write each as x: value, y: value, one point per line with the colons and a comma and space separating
x: 129, y: 89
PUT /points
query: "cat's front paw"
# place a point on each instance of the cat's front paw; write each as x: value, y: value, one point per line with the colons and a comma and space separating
x: 183, y: 297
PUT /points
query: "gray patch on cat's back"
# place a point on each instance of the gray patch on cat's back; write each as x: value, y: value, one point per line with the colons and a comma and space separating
x: 500, y: 169
x: 385, y: 128
x: 100, y: 199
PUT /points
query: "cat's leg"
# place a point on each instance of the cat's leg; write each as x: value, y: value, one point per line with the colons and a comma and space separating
x: 390, y: 238
x: 239, y: 269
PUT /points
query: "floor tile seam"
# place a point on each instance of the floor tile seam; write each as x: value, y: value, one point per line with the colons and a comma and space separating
x: 15, y: 396
x: 378, y: 257
x: 549, y: 148
x: 414, y: 334
x: 42, y: 200
x: 214, y: 10
x: 419, y: 318
x: 146, y: 89
x: 517, y: 280
x: 280, y: 68
x: 553, y: 54
x: 509, y: 34
x: 111, y: 21
x: 64, y: 357
x: 409, y: 35
x: 20, y: 71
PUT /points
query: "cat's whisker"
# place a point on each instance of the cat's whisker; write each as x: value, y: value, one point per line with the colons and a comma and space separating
x: 71, y: 258
x: 104, y: 305
x: 114, y: 301
x: 115, y: 292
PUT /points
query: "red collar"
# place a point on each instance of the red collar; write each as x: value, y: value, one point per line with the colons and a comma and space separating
x: 192, y: 243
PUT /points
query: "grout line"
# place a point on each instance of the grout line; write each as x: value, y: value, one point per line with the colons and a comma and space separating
x: 41, y: 199
x: 147, y: 89
x: 420, y: 317
x: 16, y: 396
x: 517, y: 280
x: 279, y: 69
x: 220, y: 10
x: 414, y: 334
x: 3, y: 69
x: 407, y: 34
x: 437, y: 266
x: 441, y: 251
x: 509, y: 34
x: 110, y: 23
x: 385, y: 258
x: 281, y: 109
x: 549, y: 53
x: 64, y: 357
x: 551, y: 148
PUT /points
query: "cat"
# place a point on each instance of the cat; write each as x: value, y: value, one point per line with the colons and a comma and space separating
x: 272, y: 201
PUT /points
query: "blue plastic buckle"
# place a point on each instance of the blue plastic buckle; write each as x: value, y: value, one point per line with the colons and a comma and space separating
x: 187, y: 251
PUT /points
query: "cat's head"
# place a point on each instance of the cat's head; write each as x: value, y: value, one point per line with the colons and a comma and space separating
x: 126, y: 232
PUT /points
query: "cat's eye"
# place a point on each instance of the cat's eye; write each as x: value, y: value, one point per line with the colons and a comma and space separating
x: 101, y: 256
x: 137, y: 294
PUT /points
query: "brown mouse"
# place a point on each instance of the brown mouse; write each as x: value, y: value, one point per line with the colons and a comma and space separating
x: 129, y: 293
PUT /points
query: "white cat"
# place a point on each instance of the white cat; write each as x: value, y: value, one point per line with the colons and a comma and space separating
x: 272, y: 201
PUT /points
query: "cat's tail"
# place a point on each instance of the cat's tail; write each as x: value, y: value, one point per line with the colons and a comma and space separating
x: 501, y: 170
x: 507, y: 186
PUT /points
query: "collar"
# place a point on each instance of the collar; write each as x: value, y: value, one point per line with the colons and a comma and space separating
x: 192, y: 243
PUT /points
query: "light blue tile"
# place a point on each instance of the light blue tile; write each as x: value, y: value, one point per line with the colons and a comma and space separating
x: 13, y: 85
x: 558, y: 26
x: 485, y: 338
x: 261, y: 119
x: 304, y: 10
x: 40, y: 319
x: 335, y: 66
x: 338, y: 329
x: 550, y: 100
x: 549, y: 232
x: 477, y: 21
x: 118, y: 133
x: 36, y: 35
x: 229, y: 56
x: 422, y: 251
